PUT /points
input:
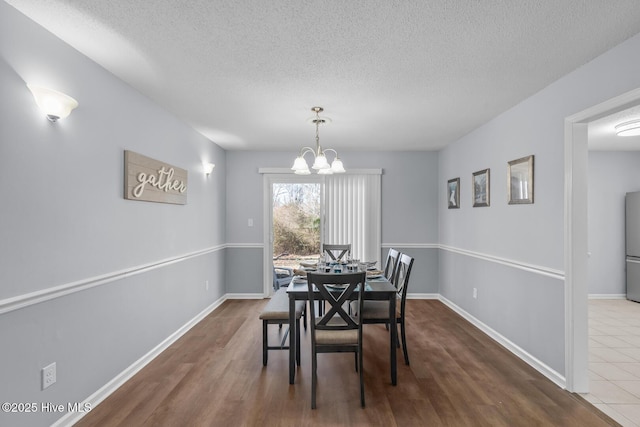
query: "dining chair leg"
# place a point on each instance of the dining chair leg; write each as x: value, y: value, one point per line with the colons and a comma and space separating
x: 304, y: 315
x: 314, y: 379
x: 404, y: 343
x: 297, y: 338
x: 265, y: 352
x: 361, y: 379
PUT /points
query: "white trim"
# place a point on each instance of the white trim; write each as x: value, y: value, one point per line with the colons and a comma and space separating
x: 287, y: 171
x: 102, y: 393
x: 610, y: 106
x: 532, y: 361
x: 532, y: 268
x: 244, y: 245
x: 245, y: 296
x: 422, y: 296
x: 550, y: 272
x: 21, y: 301
x: 607, y: 296
x: 411, y: 245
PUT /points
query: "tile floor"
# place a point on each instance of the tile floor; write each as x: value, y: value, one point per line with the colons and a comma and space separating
x: 614, y: 359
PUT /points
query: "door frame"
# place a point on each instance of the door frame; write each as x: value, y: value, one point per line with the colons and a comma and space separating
x: 575, y: 235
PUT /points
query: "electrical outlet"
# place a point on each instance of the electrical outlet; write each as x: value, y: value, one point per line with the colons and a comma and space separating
x: 206, y: 285
x: 250, y: 222
x: 475, y: 293
x: 48, y: 375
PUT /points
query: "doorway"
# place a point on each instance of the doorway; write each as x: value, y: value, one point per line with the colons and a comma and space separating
x: 296, y: 223
x: 293, y: 223
x: 576, y: 231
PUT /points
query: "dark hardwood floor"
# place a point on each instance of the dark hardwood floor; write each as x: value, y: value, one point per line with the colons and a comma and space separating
x: 213, y: 376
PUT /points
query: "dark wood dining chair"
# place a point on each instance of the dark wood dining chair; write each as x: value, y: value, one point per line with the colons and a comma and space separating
x: 335, y: 331
x: 391, y: 264
x: 378, y: 311
x: 336, y: 252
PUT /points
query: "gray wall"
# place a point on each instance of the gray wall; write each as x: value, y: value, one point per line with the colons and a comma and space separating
x: 65, y: 225
x: 525, y: 301
x: 409, y: 209
x: 611, y: 176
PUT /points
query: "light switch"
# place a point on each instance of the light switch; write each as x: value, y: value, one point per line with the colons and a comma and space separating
x: 250, y: 222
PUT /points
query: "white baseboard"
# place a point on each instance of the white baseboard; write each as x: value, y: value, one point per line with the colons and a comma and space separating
x: 423, y: 296
x: 73, y: 417
x: 532, y: 361
x: 607, y: 296
x: 245, y: 296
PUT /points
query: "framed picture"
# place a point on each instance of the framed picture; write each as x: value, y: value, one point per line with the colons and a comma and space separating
x: 481, y: 188
x: 520, y: 181
x: 453, y: 193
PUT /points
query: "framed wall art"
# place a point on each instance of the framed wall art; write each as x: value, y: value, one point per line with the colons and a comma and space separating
x: 453, y: 193
x: 520, y: 181
x: 480, y: 188
x: 150, y: 180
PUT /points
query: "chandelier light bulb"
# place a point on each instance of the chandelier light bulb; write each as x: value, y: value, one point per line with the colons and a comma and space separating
x: 337, y: 166
x: 321, y: 162
x: 299, y: 164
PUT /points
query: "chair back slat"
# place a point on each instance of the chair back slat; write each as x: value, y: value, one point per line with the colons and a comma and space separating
x: 336, y: 252
x: 336, y: 290
x: 403, y: 272
x: 391, y: 264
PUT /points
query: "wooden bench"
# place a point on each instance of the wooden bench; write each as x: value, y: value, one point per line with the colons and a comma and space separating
x: 277, y: 312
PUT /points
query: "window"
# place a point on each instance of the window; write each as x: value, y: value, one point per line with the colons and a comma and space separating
x: 350, y: 206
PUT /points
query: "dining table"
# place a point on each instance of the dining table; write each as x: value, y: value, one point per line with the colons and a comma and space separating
x: 376, y: 288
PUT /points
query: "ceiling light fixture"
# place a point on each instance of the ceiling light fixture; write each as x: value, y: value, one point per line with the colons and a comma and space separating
x: 56, y: 105
x: 320, y: 163
x: 630, y: 128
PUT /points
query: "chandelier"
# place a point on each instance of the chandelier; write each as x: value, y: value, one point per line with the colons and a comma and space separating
x: 320, y: 163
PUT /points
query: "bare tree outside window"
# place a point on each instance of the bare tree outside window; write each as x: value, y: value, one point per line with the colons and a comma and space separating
x: 296, y: 223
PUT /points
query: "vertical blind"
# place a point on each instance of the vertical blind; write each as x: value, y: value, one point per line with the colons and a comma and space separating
x: 353, y: 214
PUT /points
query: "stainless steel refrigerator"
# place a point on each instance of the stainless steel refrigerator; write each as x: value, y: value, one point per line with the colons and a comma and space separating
x: 633, y: 245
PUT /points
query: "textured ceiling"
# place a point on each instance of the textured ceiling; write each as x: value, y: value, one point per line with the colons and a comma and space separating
x: 397, y: 75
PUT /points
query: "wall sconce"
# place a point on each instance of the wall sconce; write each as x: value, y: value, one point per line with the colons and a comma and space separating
x: 208, y: 168
x: 54, y: 104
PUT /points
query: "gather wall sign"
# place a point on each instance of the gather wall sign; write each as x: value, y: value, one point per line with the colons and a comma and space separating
x: 150, y: 180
